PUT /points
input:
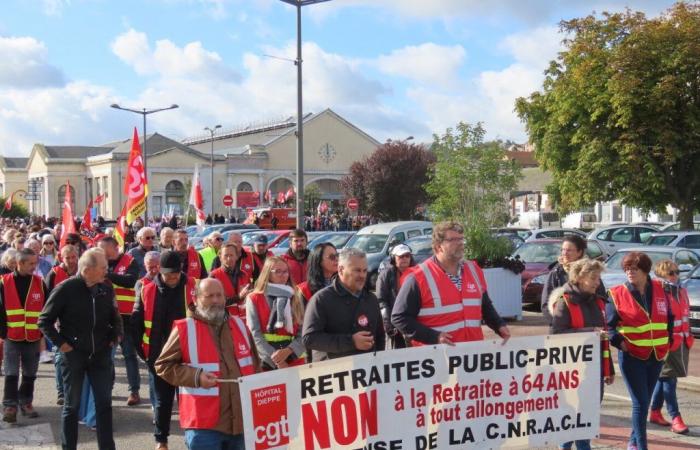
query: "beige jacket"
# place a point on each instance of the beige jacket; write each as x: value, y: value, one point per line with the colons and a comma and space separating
x: 169, y: 367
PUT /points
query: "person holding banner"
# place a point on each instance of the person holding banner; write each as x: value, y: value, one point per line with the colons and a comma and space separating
x: 576, y: 308
x: 343, y: 319
x: 676, y: 364
x: 640, y: 322
x: 274, y: 315
x: 445, y: 298
x: 205, y: 355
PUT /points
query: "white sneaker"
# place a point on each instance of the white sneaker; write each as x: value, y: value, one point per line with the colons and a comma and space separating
x: 46, y: 357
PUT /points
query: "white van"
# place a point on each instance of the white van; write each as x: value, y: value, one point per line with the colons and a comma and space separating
x: 535, y: 219
x: 580, y: 220
x: 377, y: 240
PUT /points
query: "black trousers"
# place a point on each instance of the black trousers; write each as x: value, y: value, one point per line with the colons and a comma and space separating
x: 99, y: 368
x: 164, y: 396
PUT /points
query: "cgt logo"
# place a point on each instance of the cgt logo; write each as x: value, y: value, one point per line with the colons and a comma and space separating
x: 270, y: 424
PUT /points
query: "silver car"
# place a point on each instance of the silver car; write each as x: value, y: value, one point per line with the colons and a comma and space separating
x: 685, y: 259
x: 692, y: 284
x: 545, y: 233
x: 615, y: 237
x: 685, y: 239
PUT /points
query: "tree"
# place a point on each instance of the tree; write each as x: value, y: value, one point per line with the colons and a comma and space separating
x: 17, y: 209
x: 389, y: 182
x: 619, y: 112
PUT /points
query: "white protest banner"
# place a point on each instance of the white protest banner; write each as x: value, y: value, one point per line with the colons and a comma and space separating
x: 532, y: 391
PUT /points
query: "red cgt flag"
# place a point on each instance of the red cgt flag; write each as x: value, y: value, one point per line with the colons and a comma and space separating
x: 8, y: 202
x: 120, y: 228
x: 136, y: 186
x: 86, y: 224
x: 67, y: 218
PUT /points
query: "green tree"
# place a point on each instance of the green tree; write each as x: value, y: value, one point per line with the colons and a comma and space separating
x: 471, y: 183
x: 17, y: 209
x: 389, y: 182
x: 619, y: 112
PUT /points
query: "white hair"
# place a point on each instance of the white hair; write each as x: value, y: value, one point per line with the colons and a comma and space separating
x: 151, y: 255
x: 89, y: 258
x: 9, y: 255
x: 345, y: 254
x: 140, y: 233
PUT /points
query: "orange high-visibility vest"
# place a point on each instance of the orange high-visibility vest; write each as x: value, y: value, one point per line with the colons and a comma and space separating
x: 577, y: 322
x: 231, y: 291
x: 280, y: 335
x: 60, y: 275
x: 200, y: 407
x: 126, y: 297
x: 22, y: 320
x: 645, y: 332
x: 194, y: 268
x: 148, y: 297
x: 680, y: 308
x: 444, y: 308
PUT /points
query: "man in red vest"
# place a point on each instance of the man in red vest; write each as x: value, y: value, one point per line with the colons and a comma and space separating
x: 445, y: 298
x: 210, y: 412
x: 123, y: 273
x: 236, y: 283
x: 22, y: 297
x: 297, y: 256
x: 259, y: 254
x: 161, y: 302
x: 192, y: 262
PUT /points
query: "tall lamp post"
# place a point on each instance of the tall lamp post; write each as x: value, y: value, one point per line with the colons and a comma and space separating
x: 211, y: 132
x: 300, y: 129
x: 144, y: 112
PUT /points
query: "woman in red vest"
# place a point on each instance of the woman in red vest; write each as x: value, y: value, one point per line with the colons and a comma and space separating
x: 639, y: 324
x: 576, y: 308
x: 322, y: 267
x: 676, y: 364
x: 274, y: 315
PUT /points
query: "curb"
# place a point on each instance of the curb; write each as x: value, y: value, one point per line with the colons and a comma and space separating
x: 691, y: 384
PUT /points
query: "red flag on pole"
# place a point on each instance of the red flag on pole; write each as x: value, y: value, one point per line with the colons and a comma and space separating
x: 268, y: 196
x: 136, y: 186
x: 67, y: 218
x: 86, y: 224
x: 120, y: 228
x: 280, y: 197
x: 8, y: 202
x: 289, y: 194
x: 196, y: 197
x: 99, y: 198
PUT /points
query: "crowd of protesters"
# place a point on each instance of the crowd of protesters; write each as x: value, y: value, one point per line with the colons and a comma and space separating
x: 158, y: 298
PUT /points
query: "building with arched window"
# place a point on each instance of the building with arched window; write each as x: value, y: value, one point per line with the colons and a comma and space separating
x: 249, y: 161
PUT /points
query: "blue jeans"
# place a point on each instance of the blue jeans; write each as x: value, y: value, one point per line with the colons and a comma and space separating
x: 666, y: 390
x: 640, y: 377
x: 87, y: 412
x: 213, y: 440
x: 57, y: 362
x: 583, y: 444
x: 133, y: 376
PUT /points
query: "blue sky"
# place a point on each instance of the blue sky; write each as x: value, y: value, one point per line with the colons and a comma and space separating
x: 395, y: 68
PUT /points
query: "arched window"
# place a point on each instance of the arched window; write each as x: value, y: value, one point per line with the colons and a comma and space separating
x: 62, y: 196
x: 244, y: 187
x: 175, y: 197
x: 280, y: 185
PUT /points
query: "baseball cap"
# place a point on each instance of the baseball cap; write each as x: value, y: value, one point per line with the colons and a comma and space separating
x: 401, y: 249
x: 261, y: 239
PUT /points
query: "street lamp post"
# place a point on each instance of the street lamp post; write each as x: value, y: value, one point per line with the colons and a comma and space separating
x: 300, y: 128
x: 144, y: 112
x: 211, y: 132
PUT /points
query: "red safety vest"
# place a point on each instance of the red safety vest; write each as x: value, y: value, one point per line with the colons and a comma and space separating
x: 444, y: 308
x: 126, y: 297
x: 305, y: 291
x: 280, y: 335
x: 200, y: 407
x: 644, y: 332
x: 60, y: 275
x: 577, y: 322
x: 297, y: 269
x: 148, y: 297
x: 245, y: 264
x: 681, y: 326
x: 22, y: 321
x: 236, y: 308
x: 257, y: 262
x: 194, y: 268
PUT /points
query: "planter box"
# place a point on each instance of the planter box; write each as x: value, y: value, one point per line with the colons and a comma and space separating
x: 505, y: 290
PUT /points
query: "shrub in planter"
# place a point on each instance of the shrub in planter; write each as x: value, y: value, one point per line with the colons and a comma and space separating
x: 490, y: 251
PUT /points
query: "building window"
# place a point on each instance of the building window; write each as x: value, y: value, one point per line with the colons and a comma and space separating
x: 174, y: 197
x: 62, y: 196
x: 245, y: 187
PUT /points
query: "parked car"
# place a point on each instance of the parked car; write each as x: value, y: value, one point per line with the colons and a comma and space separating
x: 539, y: 256
x: 283, y: 245
x: 273, y: 237
x: 580, y: 220
x: 421, y: 248
x: 692, y: 284
x: 676, y: 226
x: 686, y: 259
x: 337, y: 238
x: 377, y: 240
x: 685, y: 239
x: 536, y: 219
x: 545, y: 233
x: 523, y: 233
x: 615, y: 237
x: 196, y: 239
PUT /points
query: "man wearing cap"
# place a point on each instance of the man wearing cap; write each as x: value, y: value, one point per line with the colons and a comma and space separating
x: 388, y: 284
x: 444, y: 299
x: 123, y: 273
x: 160, y: 303
x: 208, y: 253
x: 259, y: 254
x: 191, y: 261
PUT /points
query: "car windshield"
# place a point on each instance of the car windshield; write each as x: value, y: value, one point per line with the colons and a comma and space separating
x: 203, y: 232
x: 420, y: 246
x: 661, y: 240
x: 615, y: 261
x: 338, y: 240
x: 248, y: 238
x: 368, y: 243
x: 539, y: 252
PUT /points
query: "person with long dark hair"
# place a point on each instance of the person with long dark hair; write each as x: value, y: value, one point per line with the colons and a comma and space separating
x: 322, y: 267
x: 388, y: 284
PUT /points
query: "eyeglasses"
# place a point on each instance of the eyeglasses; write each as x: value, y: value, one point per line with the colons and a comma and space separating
x: 631, y: 269
x: 407, y: 255
x: 280, y: 271
x: 48, y: 243
x: 219, y: 239
x: 149, y: 237
x: 673, y: 272
x: 332, y: 256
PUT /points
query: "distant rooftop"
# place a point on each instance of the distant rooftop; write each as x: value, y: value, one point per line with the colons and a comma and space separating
x: 16, y: 163
x: 75, y: 151
x: 245, y: 129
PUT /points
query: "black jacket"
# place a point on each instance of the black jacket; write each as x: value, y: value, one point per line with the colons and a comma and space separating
x: 89, y: 319
x: 333, y: 315
x: 169, y: 306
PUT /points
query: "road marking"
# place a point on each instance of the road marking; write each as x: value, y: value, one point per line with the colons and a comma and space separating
x: 618, y: 397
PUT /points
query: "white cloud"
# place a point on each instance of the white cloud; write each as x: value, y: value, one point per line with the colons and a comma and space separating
x: 25, y: 64
x: 54, y: 7
x: 426, y: 63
